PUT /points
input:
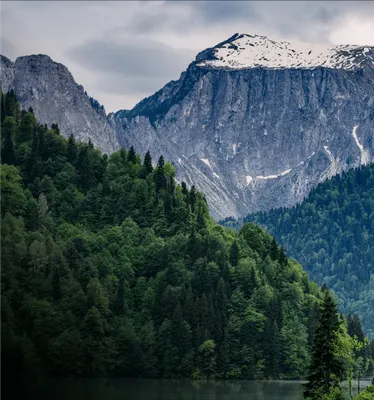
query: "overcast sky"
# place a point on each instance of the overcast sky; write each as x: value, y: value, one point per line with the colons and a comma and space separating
x: 122, y: 52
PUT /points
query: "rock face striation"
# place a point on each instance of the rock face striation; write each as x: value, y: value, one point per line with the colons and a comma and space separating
x: 253, y: 123
x: 50, y: 89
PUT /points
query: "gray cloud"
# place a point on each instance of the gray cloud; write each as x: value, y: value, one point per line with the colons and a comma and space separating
x: 122, y: 51
x: 110, y: 83
x: 135, y: 57
x: 136, y: 67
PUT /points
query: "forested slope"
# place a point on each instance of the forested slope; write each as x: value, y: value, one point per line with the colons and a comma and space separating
x: 332, y: 235
x: 111, y: 268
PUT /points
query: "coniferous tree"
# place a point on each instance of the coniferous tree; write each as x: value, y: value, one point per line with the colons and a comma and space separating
x: 72, y: 149
x: 55, y: 128
x: 2, y: 109
x: 160, y: 177
x: 234, y: 254
x: 8, y: 154
x: 148, y: 167
x: 131, y: 156
x: 326, y: 367
x: 355, y: 328
x: 11, y: 106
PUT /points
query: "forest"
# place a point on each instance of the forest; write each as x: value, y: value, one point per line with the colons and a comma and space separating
x: 111, y: 268
x: 331, y: 233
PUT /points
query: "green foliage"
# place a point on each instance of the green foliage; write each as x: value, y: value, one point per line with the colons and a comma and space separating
x: 331, y: 233
x: 367, y: 394
x: 207, y: 358
x: 111, y: 268
x: 327, y: 368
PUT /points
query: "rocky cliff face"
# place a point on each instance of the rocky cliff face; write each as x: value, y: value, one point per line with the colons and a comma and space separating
x: 50, y: 89
x: 255, y: 124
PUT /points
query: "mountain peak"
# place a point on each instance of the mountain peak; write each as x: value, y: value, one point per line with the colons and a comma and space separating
x: 243, y: 51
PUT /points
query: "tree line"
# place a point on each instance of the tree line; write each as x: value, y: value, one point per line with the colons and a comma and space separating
x: 331, y: 233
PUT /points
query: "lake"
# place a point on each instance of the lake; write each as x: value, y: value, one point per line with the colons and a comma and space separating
x: 174, y: 389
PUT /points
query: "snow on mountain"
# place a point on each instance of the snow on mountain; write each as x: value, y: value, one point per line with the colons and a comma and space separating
x: 250, y: 51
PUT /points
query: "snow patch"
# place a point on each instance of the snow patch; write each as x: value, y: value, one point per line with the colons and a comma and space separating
x: 331, y: 157
x: 333, y: 169
x: 365, y: 158
x: 287, y: 171
x: 206, y: 161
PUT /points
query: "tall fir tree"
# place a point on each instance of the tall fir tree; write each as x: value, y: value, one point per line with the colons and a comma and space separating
x: 72, y: 150
x: 8, y: 154
x: 2, y: 110
x: 326, y: 367
x: 131, y: 156
x: 234, y: 254
x: 160, y: 177
x: 147, y: 164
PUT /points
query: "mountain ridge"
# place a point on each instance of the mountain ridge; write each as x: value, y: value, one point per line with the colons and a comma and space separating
x: 51, y: 90
x: 252, y: 139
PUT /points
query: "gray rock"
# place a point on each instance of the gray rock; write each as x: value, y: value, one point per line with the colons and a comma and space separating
x: 49, y: 88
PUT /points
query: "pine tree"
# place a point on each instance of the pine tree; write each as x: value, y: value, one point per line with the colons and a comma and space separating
x: 11, y: 106
x: 147, y: 164
x: 55, y: 128
x: 33, y: 159
x: 2, y: 110
x: 131, y: 156
x: 274, y: 252
x: 355, y: 328
x: 326, y: 367
x: 8, y: 154
x: 160, y: 177
x: 234, y: 254
x: 72, y: 149
x: 283, y: 260
x: 193, y: 198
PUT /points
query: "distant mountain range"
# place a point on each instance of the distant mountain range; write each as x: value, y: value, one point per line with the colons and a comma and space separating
x: 252, y: 122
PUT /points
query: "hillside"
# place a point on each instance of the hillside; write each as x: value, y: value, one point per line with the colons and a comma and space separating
x: 332, y: 234
x: 109, y: 267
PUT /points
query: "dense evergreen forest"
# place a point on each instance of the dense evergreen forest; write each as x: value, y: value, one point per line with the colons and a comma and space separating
x: 332, y: 235
x: 110, y: 267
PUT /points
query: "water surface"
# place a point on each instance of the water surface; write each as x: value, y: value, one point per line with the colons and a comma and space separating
x: 175, y: 389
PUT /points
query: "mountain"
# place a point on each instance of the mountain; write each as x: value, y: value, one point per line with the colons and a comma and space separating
x: 254, y: 123
x: 332, y: 234
x: 50, y: 89
x: 109, y: 267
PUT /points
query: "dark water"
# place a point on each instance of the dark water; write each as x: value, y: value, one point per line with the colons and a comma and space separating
x: 179, y: 389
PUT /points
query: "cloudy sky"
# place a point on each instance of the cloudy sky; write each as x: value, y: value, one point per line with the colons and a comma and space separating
x: 124, y: 51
